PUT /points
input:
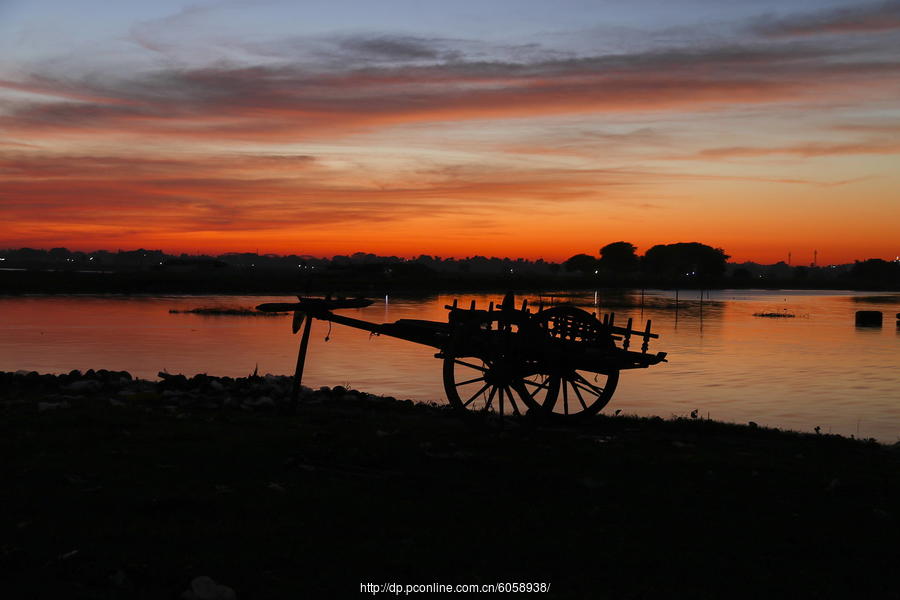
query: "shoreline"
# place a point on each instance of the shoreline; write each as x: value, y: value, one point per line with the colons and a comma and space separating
x: 275, y: 282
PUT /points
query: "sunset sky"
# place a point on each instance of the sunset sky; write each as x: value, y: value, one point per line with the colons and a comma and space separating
x: 508, y: 128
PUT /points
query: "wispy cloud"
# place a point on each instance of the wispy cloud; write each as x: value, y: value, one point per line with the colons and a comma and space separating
x: 862, y: 18
x: 807, y: 150
x: 288, y: 102
x: 249, y: 193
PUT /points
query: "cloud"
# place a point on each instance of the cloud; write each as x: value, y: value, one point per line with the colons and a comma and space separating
x: 247, y: 193
x: 44, y: 165
x: 866, y: 18
x: 290, y: 102
x: 891, y: 127
x: 394, y: 48
x: 807, y: 150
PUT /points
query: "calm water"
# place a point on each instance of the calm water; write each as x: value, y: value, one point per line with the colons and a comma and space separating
x: 817, y: 369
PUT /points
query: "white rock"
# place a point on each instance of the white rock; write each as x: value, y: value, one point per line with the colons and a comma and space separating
x: 205, y: 588
x: 84, y: 385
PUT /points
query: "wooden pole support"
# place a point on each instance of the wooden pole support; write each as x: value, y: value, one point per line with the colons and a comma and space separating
x: 627, y: 341
x: 646, y: 336
x: 301, y: 361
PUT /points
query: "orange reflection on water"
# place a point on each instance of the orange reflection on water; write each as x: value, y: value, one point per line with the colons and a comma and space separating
x: 816, y: 369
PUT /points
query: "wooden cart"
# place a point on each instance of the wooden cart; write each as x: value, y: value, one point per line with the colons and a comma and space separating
x: 557, y: 362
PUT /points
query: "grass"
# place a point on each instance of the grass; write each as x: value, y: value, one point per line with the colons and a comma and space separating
x: 136, y: 499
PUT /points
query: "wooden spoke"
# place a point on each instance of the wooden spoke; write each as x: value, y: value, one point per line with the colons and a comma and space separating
x: 487, y: 405
x: 478, y: 393
x: 597, y: 390
x: 580, y: 399
x: 470, y: 365
x: 468, y: 381
x: 512, y: 401
x: 565, y: 387
x: 537, y: 385
x: 584, y: 388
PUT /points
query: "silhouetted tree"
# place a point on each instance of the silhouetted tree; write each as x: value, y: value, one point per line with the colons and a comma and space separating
x: 876, y: 271
x: 59, y: 254
x: 686, y: 261
x: 741, y: 274
x: 581, y: 262
x: 619, y: 257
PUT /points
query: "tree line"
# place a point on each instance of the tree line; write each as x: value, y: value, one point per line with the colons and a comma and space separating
x: 684, y: 261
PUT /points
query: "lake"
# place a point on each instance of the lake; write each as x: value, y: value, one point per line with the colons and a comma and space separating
x: 815, y: 369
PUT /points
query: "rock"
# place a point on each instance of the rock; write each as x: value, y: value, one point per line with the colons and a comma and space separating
x: 868, y: 318
x: 45, y: 406
x: 120, y: 579
x: 84, y: 386
x: 205, y: 588
x: 881, y: 514
x: 262, y: 402
x: 200, y: 378
x: 590, y: 483
x: 173, y: 381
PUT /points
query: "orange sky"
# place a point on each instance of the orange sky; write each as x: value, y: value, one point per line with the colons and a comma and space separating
x: 781, y: 136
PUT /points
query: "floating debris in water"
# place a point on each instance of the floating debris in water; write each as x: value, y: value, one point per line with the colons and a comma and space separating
x: 239, y: 311
x: 775, y: 315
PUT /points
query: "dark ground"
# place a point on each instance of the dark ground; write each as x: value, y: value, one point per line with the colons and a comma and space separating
x: 132, y: 490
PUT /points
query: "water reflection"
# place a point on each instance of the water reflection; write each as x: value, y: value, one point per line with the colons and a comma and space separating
x: 816, y: 369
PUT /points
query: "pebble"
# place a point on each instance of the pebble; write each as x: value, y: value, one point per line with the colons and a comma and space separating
x: 45, y: 406
x: 205, y: 588
x: 84, y: 386
x: 119, y: 388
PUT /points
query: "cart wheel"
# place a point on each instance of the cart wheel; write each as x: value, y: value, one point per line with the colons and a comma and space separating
x: 484, y: 385
x: 570, y: 394
x: 555, y: 388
